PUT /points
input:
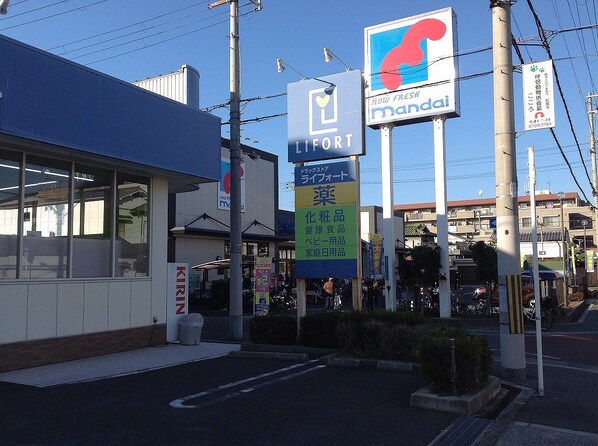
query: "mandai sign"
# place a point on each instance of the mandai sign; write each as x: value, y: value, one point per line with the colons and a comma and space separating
x: 410, y: 69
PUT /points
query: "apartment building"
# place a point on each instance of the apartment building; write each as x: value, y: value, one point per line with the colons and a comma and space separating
x: 475, y: 220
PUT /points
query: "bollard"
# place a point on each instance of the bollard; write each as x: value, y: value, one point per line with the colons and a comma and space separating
x: 453, y: 367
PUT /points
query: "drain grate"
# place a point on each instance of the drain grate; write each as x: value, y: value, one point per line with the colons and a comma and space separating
x: 463, y: 431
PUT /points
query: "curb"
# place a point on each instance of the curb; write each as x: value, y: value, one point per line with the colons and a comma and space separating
x: 345, y: 362
x: 270, y: 355
x: 467, y: 404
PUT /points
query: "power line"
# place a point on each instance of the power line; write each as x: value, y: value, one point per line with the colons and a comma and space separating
x: 12, y: 16
x: 51, y: 16
x: 147, y: 36
x: 124, y: 27
x: 546, y: 46
x: 169, y: 39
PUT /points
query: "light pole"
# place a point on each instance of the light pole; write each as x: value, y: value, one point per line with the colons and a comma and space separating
x: 564, y: 251
x: 584, y: 223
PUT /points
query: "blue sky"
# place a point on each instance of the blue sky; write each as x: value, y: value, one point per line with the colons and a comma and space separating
x: 136, y: 39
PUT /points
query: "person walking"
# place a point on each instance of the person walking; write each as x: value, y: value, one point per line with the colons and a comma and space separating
x: 329, y: 292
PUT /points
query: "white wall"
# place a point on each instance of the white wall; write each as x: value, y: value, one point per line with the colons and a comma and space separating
x: 40, y: 309
x: 260, y: 203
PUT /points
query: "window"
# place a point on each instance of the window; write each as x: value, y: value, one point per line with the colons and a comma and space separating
x: 45, y: 222
x: 132, y: 226
x: 92, y: 213
x: 9, y: 213
x: 551, y: 221
x: 576, y: 221
x: 526, y: 222
x: 59, y: 219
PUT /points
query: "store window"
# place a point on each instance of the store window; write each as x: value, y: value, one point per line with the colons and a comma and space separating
x: 132, y: 226
x: 45, y: 219
x: 9, y: 213
x: 92, y: 229
x: 58, y: 219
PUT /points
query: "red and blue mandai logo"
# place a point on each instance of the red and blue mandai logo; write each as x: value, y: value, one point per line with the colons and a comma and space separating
x: 399, y: 56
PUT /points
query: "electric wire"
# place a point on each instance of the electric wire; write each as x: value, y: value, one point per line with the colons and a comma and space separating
x: 12, y: 16
x: 546, y: 46
x: 582, y: 43
x: 565, y: 41
x: 165, y: 40
x: 142, y: 22
x: 147, y: 36
x: 52, y: 16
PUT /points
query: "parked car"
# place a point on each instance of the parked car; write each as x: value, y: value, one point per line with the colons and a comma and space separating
x: 527, y: 292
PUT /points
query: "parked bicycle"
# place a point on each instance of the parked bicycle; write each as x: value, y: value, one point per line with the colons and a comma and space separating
x: 546, y: 318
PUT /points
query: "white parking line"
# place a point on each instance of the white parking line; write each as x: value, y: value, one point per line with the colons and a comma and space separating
x: 180, y: 402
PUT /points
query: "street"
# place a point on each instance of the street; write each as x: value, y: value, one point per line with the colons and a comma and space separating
x: 249, y: 401
x: 242, y: 401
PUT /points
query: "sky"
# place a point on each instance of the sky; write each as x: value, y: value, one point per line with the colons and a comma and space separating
x: 136, y: 39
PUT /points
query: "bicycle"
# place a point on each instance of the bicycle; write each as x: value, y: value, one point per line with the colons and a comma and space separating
x: 546, y: 318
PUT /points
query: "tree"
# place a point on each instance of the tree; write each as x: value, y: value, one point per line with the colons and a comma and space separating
x: 421, y: 266
x: 485, y: 258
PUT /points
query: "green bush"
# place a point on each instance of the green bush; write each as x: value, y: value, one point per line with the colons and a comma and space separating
x: 273, y: 329
x: 319, y: 330
x: 473, y: 359
x: 380, y: 334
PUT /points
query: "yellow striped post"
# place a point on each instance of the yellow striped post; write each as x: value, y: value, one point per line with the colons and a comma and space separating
x: 514, y: 304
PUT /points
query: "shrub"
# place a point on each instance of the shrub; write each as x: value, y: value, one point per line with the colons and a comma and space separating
x: 472, y: 357
x: 380, y: 334
x: 273, y: 329
x: 319, y: 330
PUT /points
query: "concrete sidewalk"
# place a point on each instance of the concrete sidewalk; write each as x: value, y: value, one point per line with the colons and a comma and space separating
x: 117, y: 364
x: 567, y: 413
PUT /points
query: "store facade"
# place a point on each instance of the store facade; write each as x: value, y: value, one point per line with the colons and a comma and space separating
x: 86, y: 166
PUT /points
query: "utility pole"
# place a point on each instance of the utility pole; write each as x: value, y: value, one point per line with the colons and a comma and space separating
x: 512, y: 342
x: 591, y: 113
x: 236, y: 260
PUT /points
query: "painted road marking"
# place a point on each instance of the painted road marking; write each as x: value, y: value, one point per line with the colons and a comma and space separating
x: 180, y: 402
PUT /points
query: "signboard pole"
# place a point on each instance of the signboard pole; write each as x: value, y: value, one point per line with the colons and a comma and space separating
x: 536, y: 275
x: 301, y: 291
x: 388, y: 214
x: 444, y: 284
x: 356, y: 281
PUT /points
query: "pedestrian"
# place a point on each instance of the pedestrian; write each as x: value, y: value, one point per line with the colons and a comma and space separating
x: 329, y: 294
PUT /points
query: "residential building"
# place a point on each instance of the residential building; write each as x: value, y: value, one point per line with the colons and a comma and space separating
x: 475, y: 220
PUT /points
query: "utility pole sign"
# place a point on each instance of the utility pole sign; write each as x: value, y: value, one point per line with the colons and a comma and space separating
x: 538, y: 95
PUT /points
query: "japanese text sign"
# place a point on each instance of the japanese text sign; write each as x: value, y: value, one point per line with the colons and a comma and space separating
x: 263, y: 267
x: 326, y: 242
x: 325, y: 117
x: 538, y: 95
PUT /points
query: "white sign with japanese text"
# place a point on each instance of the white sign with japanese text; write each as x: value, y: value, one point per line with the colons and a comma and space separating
x: 538, y: 95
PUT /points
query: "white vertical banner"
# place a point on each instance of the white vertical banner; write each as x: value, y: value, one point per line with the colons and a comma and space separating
x: 538, y: 95
x: 177, y: 295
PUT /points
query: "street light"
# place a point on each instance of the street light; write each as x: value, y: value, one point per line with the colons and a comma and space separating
x: 560, y: 196
x: 281, y: 65
x: 329, y: 55
x: 4, y: 6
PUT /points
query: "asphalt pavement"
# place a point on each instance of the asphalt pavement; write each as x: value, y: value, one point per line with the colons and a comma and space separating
x: 132, y: 397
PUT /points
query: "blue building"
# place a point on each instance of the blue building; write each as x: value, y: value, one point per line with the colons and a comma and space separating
x: 86, y: 165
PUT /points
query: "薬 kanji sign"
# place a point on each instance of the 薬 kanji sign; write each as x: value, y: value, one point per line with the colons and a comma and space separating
x: 326, y: 220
